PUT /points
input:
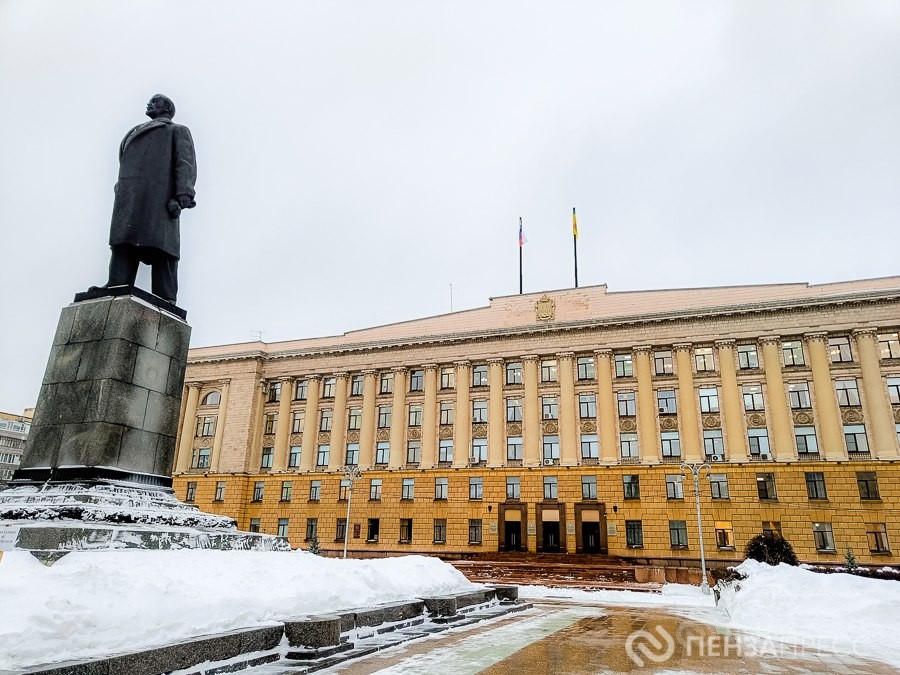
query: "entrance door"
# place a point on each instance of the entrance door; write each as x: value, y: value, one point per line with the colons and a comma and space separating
x: 512, y: 536
x: 551, y: 536
x: 590, y: 537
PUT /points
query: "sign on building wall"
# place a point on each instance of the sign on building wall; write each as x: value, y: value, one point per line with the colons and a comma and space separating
x: 532, y: 528
x: 611, y: 529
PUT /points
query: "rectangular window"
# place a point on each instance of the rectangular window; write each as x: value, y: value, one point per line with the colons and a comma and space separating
x: 322, y: 454
x: 414, y: 418
x: 798, y: 396
x: 889, y: 345
x: 876, y: 534
x: 375, y: 489
x: 220, y: 491
x: 191, y: 492
x: 440, y: 530
x: 271, y: 420
x: 475, y: 488
x: 867, y: 482
x: 718, y: 485
x: 479, y: 411
x: 792, y: 353
x: 631, y: 486
x: 634, y: 534
x: 678, y: 533
x: 441, y: 487
x: 514, y: 448
x: 674, y: 486
x: 480, y: 376
x: 549, y: 407
x: 357, y: 385
x: 258, y: 490
x: 328, y: 387
x: 847, y: 392
x: 344, y: 490
x: 709, y: 399
x: 626, y: 403
x: 315, y: 490
x: 839, y: 349
x: 855, y: 438
x: 382, y: 452
x: 587, y: 406
x: 671, y: 445
x: 413, y: 452
x: 513, y: 487
x: 893, y: 385
x: 586, y: 370
x: 300, y: 390
x: 405, y: 530
x: 325, y: 420
x: 551, y: 448
x: 823, y: 536
x: 513, y: 373
x: 665, y: 400
x: 724, y: 534
x: 589, y: 487
x: 549, y: 371
x: 815, y: 485
x: 624, y: 365
x: 254, y: 525
x: 386, y: 383
x: 747, y: 357
x: 384, y: 416
x: 551, y: 487
x: 354, y: 419
x: 352, y: 456
x: 297, y: 421
x: 628, y: 445
x: 445, y: 450
x: 417, y: 380
x: 274, y: 392
x: 340, y: 530
x: 753, y: 397
x: 713, y: 444
x: 474, y: 531
x: 312, y: 528
x: 771, y: 526
x: 662, y: 363
x: 199, y: 458
x: 287, y: 490
x: 206, y: 425
x: 765, y: 486
x: 479, y: 450
x: 294, y: 457
x: 758, y: 440
x: 266, y: 460
x: 409, y: 489
x: 283, y: 527
x: 447, y: 412
x: 373, y: 529
x: 590, y: 446
x: 513, y: 410
x: 448, y: 378
x: 703, y: 359
x: 805, y: 438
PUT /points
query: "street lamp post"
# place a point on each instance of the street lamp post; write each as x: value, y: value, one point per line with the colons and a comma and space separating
x: 351, y: 475
x: 695, y: 469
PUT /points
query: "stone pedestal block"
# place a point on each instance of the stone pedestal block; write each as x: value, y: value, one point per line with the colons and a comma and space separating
x: 315, y: 632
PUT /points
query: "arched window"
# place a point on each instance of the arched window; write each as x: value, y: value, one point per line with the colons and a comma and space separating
x: 212, y: 398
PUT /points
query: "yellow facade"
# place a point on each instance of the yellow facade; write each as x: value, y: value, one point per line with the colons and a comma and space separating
x: 539, y: 411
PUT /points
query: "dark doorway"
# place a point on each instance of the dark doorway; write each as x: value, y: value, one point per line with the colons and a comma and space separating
x: 512, y: 536
x: 590, y: 537
x: 550, y: 531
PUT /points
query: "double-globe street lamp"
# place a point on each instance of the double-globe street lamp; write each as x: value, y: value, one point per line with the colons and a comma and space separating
x: 695, y: 469
x: 351, y: 475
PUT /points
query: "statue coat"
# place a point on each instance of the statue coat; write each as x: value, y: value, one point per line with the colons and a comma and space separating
x: 156, y: 163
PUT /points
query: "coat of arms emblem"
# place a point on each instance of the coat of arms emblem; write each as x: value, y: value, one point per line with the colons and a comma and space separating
x: 545, y: 309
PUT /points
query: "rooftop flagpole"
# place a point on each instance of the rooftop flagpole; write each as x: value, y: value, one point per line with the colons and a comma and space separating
x: 575, y: 243
x: 521, y: 244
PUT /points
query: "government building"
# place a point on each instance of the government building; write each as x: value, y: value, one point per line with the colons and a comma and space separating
x: 558, y: 422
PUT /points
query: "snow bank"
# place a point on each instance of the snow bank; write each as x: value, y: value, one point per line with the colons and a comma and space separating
x: 91, y: 604
x: 834, y: 612
x: 671, y: 595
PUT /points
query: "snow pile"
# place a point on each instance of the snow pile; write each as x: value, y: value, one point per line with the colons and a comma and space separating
x: 832, y: 612
x: 93, y: 604
x: 671, y: 595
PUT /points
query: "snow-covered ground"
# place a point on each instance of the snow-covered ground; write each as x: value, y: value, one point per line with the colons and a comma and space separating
x: 91, y: 604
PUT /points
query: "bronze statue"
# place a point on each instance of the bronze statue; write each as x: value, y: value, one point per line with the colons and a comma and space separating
x: 157, y: 170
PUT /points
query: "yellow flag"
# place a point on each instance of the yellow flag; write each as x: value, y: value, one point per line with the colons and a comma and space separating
x: 574, y: 224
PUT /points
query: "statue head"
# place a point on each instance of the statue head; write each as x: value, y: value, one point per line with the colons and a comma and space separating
x: 160, y: 106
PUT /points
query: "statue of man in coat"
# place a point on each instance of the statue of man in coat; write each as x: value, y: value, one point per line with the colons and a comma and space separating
x: 157, y: 171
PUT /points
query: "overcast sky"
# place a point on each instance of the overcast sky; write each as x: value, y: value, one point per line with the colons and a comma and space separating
x: 357, y: 158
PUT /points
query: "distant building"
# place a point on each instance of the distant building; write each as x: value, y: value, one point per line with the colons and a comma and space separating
x: 13, y: 432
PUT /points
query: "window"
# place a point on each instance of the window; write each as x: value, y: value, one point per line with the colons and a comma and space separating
x: 758, y: 439
x: 513, y: 373
x: 441, y: 486
x: 271, y: 419
x: 417, y: 380
x: 893, y: 384
x: 440, y: 530
x: 815, y: 485
x: 414, y: 417
x: 287, y: 490
x: 340, y: 530
x: 674, y: 486
x: 475, y: 488
x: 628, y: 445
x: 372, y: 529
x: 753, y: 397
x: 587, y: 406
x: 325, y: 420
x: 354, y: 419
x: 805, y: 438
x: 548, y: 371
x: 514, y: 448
x: 266, y: 460
x: 409, y: 489
x: 513, y: 487
x: 480, y: 376
x: 513, y: 410
x: 765, y: 485
x: 718, y: 485
x: 713, y: 444
x: 634, y: 534
x: 312, y: 528
x: 386, y: 383
x: 671, y: 445
x: 357, y: 385
x: 479, y: 450
x: 847, y: 392
x: 662, y: 363
x: 703, y: 359
x: 258, y: 490
x: 551, y: 487
x: 867, y: 482
x: 352, y: 455
x: 447, y: 412
x: 212, y: 398
x: 344, y: 490
x: 747, y: 357
x: 274, y: 392
x: 479, y: 411
x: 220, y: 491
x: 876, y: 533
x: 709, y: 399
x: 792, y: 353
x: 889, y: 345
x: 413, y: 452
x: 297, y: 421
x: 855, y: 438
x: 405, y: 530
x: 384, y: 416
x: 328, y: 386
x: 315, y: 490
x: 624, y: 365
x: 206, y: 425
x: 839, y: 349
x: 375, y: 489
x: 549, y: 407
x: 300, y: 390
x: 586, y: 370
x: 823, y: 536
x: 448, y: 378
x: 551, y: 448
x: 254, y: 525
x: 199, y: 458
x: 798, y: 395
x: 590, y: 446
x: 724, y: 534
x: 678, y: 533
x: 665, y: 400
x: 474, y: 531
x: 191, y: 492
x: 283, y: 527
x: 625, y: 400
x: 294, y: 457
x: 445, y: 450
x: 631, y: 486
x: 771, y: 526
x: 382, y: 452
x: 589, y: 487
x: 322, y: 455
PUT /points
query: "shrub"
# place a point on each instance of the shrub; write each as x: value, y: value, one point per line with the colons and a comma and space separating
x: 771, y: 548
x: 314, y: 546
x: 850, y: 559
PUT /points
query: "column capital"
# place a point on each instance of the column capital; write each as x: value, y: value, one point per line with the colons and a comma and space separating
x: 727, y: 343
x: 530, y: 357
x: 642, y: 349
x: 342, y: 375
x: 682, y: 346
x: 430, y: 366
x: 496, y: 361
x: 769, y: 339
x: 286, y: 378
x: 603, y: 353
x: 869, y: 331
x: 815, y: 337
x: 462, y: 364
x: 370, y: 371
x: 314, y: 377
x: 565, y: 355
x: 193, y: 385
x: 400, y: 370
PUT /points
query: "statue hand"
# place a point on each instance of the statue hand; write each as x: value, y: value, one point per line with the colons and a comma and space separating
x: 185, y: 201
x: 174, y: 208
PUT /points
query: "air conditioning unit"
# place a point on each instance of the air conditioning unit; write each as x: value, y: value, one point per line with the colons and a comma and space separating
x: 548, y: 416
x: 717, y: 458
x: 476, y: 419
x: 662, y: 411
x: 548, y: 462
x: 765, y: 455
